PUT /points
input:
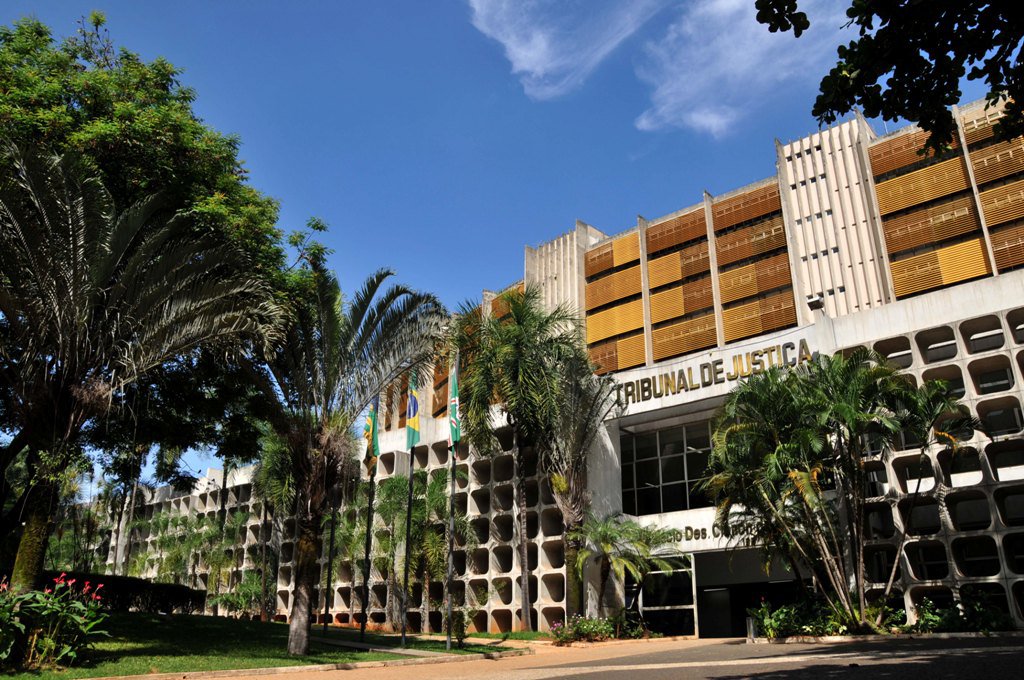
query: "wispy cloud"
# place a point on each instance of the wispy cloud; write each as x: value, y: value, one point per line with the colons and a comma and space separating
x: 554, y: 45
x: 707, y: 69
x: 715, y: 63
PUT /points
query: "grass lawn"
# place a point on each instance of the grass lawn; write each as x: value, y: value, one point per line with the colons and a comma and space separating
x: 431, y: 644
x: 140, y: 644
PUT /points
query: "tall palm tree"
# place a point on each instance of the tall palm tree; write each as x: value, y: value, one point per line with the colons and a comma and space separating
x: 335, y: 357
x: 90, y: 300
x: 513, y: 362
x: 587, y: 401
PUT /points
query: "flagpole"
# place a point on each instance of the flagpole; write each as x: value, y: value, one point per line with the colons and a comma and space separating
x: 408, y: 543
x: 451, y: 541
x: 372, y: 450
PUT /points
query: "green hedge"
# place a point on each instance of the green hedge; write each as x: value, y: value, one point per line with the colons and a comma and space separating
x: 127, y: 593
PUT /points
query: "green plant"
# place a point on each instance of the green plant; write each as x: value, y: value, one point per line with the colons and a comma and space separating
x: 50, y: 627
x: 246, y: 597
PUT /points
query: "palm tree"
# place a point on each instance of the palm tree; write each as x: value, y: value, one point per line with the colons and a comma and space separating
x: 620, y: 546
x: 90, y: 300
x: 587, y: 401
x: 514, y: 362
x: 334, y: 358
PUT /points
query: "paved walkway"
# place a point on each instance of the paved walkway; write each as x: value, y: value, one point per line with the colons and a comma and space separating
x: 683, y: 659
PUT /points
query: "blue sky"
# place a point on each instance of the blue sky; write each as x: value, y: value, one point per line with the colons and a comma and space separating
x: 439, y: 138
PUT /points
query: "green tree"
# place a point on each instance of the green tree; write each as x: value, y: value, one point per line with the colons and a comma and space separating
x: 92, y: 301
x: 587, y: 401
x: 514, y: 361
x: 788, y: 462
x: 620, y: 546
x: 909, y: 58
x: 335, y: 356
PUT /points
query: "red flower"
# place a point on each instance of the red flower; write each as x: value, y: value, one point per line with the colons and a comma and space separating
x: 87, y: 588
x: 48, y: 591
x: 98, y: 587
x: 95, y: 596
x: 60, y: 579
x: 72, y: 582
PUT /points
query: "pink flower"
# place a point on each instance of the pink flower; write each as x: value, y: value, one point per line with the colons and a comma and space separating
x: 98, y: 587
x: 60, y: 579
x: 96, y: 597
x: 72, y: 582
x: 87, y: 588
x: 48, y: 591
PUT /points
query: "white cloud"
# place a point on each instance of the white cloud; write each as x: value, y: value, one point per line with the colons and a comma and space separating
x: 715, y: 63
x: 707, y: 68
x: 552, y: 45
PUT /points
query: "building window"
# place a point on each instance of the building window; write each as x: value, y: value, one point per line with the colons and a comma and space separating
x: 663, y: 471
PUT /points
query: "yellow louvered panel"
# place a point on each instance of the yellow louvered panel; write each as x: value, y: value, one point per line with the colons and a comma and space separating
x: 689, y: 261
x: 667, y: 304
x: 746, y: 206
x: 1003, y: 204
x: 1008, y: 246
x: 932, y: 224
x: 758, y: 316
x: 621, y: 284
x: 615, y: 321
x: 626, y: 249
x: 926, y: 184
x: 999, y: 160
x: 598, y: 260
x: 604, y: 357
x: 898, y: 152
x: 755, y: 239
x: 676, y: 230
x: 738, y: 283
x: 941, y: 267
x: 683, y: 337
x: 980, y: 127
x: 630, y: 351
x: 698, y: 295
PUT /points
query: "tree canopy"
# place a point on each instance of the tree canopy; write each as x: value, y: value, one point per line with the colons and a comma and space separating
x: 909, y: 58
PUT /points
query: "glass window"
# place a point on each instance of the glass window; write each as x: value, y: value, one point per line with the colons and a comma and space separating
x: 627, y: 477
x: 673, y: 497
x: 672, y: 470
x: 626, y: 448
x: 697, y: 464
x: 671, y: 441
x: 646, y: 446
x: 698, y: 436
x: 629, y: 502
x: 647, y: 473
x: 648, y: 500
x: 698, y: 497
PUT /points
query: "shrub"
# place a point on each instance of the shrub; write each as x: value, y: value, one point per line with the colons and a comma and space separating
x: 245, y: 598
x: 583, y: 629
x: 50, y: 627
x: 977, y: 613
x: 127, y: 593
x: 809, y: 617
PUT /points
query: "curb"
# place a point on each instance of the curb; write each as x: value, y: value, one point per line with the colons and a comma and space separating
x: 831, y: 639
x: 609, y: 643
x: 281, y: 670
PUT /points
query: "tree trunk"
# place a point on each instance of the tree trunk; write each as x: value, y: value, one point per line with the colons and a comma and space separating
x: 264, y: 608
x: 307, y: 551
x: 606, y: 572
x: 128, y: 528
x: 524, y: 548
x: 574, y: 588
x: 425, y: 602
x: 28, y: 564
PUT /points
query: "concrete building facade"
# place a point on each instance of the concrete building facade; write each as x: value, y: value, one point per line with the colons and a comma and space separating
x: 858, y: 240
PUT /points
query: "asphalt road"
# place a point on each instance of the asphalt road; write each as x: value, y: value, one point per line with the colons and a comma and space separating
x: 985, y: 659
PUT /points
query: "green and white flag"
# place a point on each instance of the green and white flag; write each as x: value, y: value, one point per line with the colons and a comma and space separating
x: 453, y: 404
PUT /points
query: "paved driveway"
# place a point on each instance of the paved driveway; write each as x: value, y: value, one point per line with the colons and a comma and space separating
x: 986, y: 659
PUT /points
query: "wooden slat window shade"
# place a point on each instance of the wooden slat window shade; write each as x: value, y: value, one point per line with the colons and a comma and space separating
x: 898, y: 152
x: 689, y: 261
x: 1008, y: 246
x: 1003, y: 204
x: 930, y: 225
x: 598, y: 260
x: 684, y: 337
x: 759, y: 316
x: 605, y: 357
x: 747, y: 206
x: 667, y: 304
x: 615, y: 321
x: 920, y: 186
x: 754, y: 278
x: 607, y: 289
x: 750, y: 241
x: 630, y: 351
x: 999, y: 160
x: 677, y: 230
x: 940, y: 267
x: 626, y: 249
x: 980, y: 127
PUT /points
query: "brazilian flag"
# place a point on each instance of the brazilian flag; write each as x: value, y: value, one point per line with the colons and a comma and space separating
x: 370, y: 434
x: 412, y: 414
